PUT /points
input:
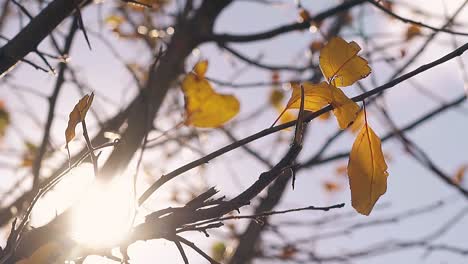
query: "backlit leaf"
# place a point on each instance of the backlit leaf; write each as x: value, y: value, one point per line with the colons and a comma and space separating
x: 367, y: 171
x: 340, y: 63
x: 77, y: 115
x: 358, y: 122
x: 346, y: 110
x: 204, y: 107
x: 316, y: 96
x: 201, y: 68
x: 412, y: 31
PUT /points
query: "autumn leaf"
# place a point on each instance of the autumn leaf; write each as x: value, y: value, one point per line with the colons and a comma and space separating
x: 367, y: 171
x: 204, y: 107
x: 316, y: 96
x: 358, y: 122
x: 325, y: 116
x: 412, y: 31
x: 330, y: 186
x: 288, y: 252
x: 315, y: 46
x: 460, y: 174
x: 77, y: 115
x: 345, y: 109
x: 304, y: 15
x: 340, y: 63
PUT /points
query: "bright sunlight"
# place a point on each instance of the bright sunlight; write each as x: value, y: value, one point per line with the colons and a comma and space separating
x: 105, y: 214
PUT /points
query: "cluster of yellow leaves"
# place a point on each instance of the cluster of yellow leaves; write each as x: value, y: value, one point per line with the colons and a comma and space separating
x: 77, y: 115
x: 342, y: 66
x: 205, y: 107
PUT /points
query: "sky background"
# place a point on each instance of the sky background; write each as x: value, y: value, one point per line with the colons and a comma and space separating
x: 409, y: 185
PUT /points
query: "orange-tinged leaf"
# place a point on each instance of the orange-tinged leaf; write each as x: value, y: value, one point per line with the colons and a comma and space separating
x: 342, y: 169
x: 288, y: 252
x: 346, y: 110
x: 330, y: 186
x: 204, y: 107
x: 315, y: 46
x: 42, y: 255
x: 367, y: 171
x: 340, y: 63
x: 77, y: 115
x: 304, y: 15
x: 460, y: 174
x: 275, y: 77
x: 412, y: 31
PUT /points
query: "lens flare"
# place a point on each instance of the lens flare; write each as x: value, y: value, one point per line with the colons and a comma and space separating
x: 103, y: 217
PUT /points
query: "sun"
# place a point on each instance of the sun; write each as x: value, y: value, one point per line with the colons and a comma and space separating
x: 105, y: 214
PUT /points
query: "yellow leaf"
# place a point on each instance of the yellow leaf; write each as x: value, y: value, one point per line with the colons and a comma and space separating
x: 78, y: 115
x: 42, y: 255
x: 204, y: 107
x: 358, y: 122
x: 367, y: 171
x: 316, y: 96
x: 346, y: 110
x: 325, y: 116
x: 201, y: 68
x: 340, y: 63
